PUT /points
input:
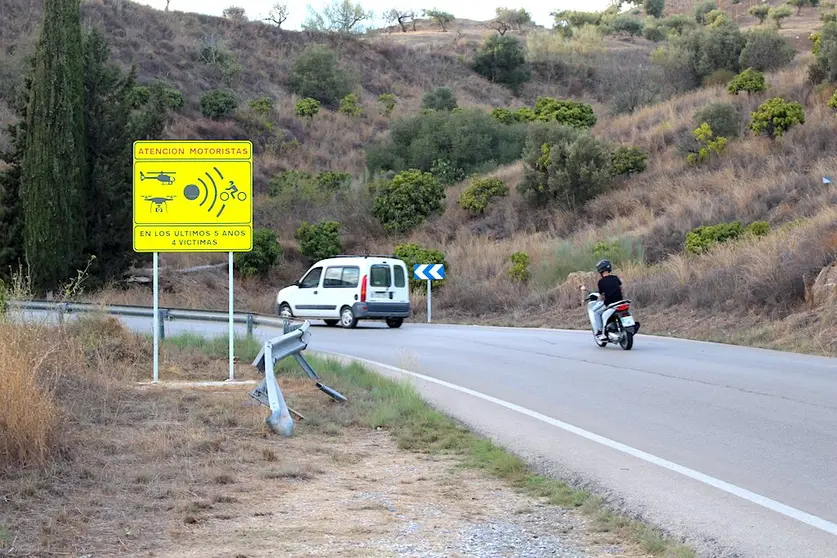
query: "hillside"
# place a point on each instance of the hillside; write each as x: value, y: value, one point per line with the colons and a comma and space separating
x: 752, y: 290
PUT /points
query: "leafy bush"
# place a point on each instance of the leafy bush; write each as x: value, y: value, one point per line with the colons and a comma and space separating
x: 415, y: 254
x: 481, y: 192
x: 832, y: 102
x: 440, y: 98
x: 519, y: 270
x: 765, y: 50
x: 503, y: 115
x: 387, y: 101
x: 779, y: 13
x: 261, y: 106
x: 468, y: 140
x: 298, y: 185
x: 629, y: 24
x: 404, y: 202
x: 502, y: 59
x: 349, y: 105
x: 570, y: 171
x: 524, y: 115
x: 825, y: 66
x: 315, y: 74
x: 307, y: 108
x: 708, y: 49
x: 569, y: 113
x: 331, y: 181
x: 702, y: 9
x: 265, y: 255
x: 776, y: 116
x: 816, y: 40
x: 654, y: 8
x: 678, y: 23
x: 701, y: 239
x: 716, y: 18
x: 724, y: 119
x: 628, y: 159
x: 760, y: 11
x: 319, y: 241
x: 445, y: 172
x: 217, y: 103
x: 708, y: 144
x: 655, y: 33
x: 750, y: 80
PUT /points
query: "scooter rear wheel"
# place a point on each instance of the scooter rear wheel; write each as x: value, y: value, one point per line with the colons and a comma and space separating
x: 627, y: 341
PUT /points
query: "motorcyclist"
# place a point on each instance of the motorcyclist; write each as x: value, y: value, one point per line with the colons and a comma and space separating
x: 610, y: 291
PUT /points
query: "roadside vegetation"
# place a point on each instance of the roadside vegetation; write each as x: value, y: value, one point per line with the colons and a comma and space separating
x: 78, y: 430
x: 520, y: 154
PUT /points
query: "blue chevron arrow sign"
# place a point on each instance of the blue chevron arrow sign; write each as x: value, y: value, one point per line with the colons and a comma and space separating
x: 429, y: 272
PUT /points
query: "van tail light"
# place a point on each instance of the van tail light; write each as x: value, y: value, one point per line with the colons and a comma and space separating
x: 622, y: 307
x: 363, y: 289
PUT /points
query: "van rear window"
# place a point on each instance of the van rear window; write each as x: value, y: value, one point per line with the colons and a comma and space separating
x: 380, y: 276
x: 400, y: 279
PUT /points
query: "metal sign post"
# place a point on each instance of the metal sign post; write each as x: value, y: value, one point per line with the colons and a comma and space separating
x: 429, y: 273
x: 193, y: 196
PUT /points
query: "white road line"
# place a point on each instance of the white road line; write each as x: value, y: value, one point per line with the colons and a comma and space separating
x: 793, y: 513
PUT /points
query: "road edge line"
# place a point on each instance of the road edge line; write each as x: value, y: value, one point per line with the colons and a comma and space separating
x: 743, y: 493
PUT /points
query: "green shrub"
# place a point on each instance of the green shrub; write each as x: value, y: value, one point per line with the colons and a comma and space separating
x: 569, y: 113
x: 723, y: 118
x: 816, y: 40
x: 825, y: 66
x: 701, y: 239
x: 415, y: 254
x: 440, y: 98
x: 625, y: 23
x: 776, y: 116
x: 481, y: 192
x: 349, y: 105
x: 570, y: 171
x: 524, y: 115
x: 519, y: 270
x: 708, y: 49
x: 654, y: 8
x: 702, y: 9
x: 307, y: 108
x: 288, y: 182
x: 758, y: 228
x: 319, y: 241
x: 708, y: 144
x: 265, y: 255
x: 779, y: 13
x: 331, y: 181
x: 469, y: 141
x: 403, y: 203
x: 502, y: 59
x: 832, y: 102
x: 655, y: 32
x: 262, y: 106
x: 750, y: 80
x: 387, y: 102
x: 446, y: 173
x: 678, y: 23
x: 217, y: 103
x: 760, y: 11
x: 503, y: 115
x: 315, y: 74
x: 765, y: 50
x: 716, y: 18
x: 627, y: 159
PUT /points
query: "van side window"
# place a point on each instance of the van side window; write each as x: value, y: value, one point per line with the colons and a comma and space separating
x: 380, y: 276
x: 312, y: 279
x: 400, y: 279
x: 341, y: 277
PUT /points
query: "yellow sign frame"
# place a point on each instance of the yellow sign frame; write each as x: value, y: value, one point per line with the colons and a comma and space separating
x: 209, y: 210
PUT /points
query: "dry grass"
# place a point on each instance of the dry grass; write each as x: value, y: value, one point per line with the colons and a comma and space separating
x: 157, y: 470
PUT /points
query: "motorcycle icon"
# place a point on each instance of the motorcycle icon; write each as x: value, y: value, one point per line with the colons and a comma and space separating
x: 232, y: 191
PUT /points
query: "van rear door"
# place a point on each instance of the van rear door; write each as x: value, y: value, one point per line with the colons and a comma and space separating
x: 380, y: 282
x: 400, y: 284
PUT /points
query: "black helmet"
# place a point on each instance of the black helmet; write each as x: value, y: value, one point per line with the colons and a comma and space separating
x: 603, y: 266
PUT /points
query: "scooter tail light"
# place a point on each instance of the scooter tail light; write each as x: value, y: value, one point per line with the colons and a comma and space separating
x: 622, y: 307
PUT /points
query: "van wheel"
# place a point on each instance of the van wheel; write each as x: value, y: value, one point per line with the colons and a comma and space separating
x: 285, y: 311
x: 395, y: 323
x: 331, y: 323
x: 347, y: 318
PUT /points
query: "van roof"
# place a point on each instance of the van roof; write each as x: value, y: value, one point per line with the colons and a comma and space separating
x: 375, y: 257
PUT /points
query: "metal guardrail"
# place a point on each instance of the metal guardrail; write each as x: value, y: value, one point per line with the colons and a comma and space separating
x: 250, y: 319
x: 291, y: 343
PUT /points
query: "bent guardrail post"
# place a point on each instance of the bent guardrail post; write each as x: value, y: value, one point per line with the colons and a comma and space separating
x: 289, y: 344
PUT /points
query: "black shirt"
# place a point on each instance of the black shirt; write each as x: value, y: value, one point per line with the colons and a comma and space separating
x: 609, y: 286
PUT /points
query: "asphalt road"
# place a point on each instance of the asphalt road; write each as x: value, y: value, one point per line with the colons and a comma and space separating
x: 731, y: 447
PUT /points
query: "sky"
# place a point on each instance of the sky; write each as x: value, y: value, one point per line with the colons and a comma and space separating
x: 466, y: 9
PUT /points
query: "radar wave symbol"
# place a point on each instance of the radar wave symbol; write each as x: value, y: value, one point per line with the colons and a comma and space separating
x: 210, y: 194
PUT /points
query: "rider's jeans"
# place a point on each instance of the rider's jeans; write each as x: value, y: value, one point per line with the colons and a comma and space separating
x: 596, y: 312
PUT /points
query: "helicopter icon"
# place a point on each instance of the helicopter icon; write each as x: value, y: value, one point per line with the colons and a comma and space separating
x: 162, y: 177
x: 158, y: 204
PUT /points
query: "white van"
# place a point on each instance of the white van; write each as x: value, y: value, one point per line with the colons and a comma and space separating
x: 346, y: 289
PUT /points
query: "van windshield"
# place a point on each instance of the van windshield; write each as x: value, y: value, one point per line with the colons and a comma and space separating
x: 380, y: 276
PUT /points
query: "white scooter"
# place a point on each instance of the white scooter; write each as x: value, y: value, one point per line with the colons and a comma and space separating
x: 618, y: 323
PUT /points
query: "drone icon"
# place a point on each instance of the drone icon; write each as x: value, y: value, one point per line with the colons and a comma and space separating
x: 158, y: 204
x: 162, y: 177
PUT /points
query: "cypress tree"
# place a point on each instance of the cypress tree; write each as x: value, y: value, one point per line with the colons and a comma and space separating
x: 53, y: 169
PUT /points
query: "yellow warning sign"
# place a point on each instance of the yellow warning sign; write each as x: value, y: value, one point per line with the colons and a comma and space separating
x: 193, y: 196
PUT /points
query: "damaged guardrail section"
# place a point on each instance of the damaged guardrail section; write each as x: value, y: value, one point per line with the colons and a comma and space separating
x: 268, y: 392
